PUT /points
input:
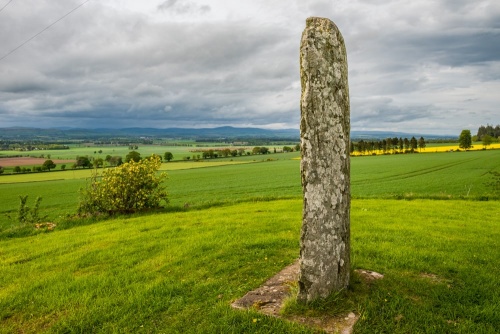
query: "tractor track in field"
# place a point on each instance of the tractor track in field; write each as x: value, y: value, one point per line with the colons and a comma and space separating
x: 411, y: 174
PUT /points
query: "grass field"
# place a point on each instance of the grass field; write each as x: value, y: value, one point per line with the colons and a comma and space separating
x: 232, y: 225
x: 442, y: 176
x: 178, y: 272
x: 179, y: 152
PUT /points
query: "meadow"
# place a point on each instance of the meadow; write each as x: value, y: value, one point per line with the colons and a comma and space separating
x: 428, y: 222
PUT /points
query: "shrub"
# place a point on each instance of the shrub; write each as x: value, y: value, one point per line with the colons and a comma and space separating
x: 131, y: 187
x: 26, y: 215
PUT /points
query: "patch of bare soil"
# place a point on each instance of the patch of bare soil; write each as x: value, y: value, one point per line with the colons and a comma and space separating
x: 28, y: 161
x: 269, y: 298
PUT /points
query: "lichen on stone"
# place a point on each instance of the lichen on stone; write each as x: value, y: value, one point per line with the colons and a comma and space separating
x: 325, y: 165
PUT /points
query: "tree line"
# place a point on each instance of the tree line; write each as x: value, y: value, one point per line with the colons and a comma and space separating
x: 488, y: 130
x: 211, y: 153
x: 389, y: 145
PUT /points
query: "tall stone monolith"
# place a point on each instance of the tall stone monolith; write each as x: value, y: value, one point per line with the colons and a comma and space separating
x: 325, y: 164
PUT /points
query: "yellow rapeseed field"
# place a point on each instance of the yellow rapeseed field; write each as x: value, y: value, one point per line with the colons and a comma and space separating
x: 447, y: 148
x: 475, y: 147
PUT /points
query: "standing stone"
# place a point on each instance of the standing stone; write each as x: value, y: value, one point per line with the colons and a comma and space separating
x: 325, y: 164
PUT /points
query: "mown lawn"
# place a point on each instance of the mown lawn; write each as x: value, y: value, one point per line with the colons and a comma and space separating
x: 178, y: 272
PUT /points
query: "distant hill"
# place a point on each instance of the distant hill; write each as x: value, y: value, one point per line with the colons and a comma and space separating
x: 219, y: 133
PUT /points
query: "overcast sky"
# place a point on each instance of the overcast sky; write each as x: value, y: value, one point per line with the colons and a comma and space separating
x: 415, y: 66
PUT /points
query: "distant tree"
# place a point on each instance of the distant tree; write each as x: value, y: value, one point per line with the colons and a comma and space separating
x: 1, y: 170
x: 225, y: 152
x: 360, y: 147
x: 133, y: 156
x: 465, y: 140
x: 241, y: 151
x: 256, y: 150
x: 487, y: 140
x: 168, y: 156
x: 297, y: 147
x: 481, y: 132
x: 395, y: 142
x: 421, y: 143
x: 287, y: 149
x: 98, y: 162
x: 63, y: 167
x: 17, y: 169
x: 383, y: 146
x: 413, y: 144
x: 401, y: 144
x: 407, y: 144
x: 264, y: 150
x: 108, y: 158
x: 234, y: 153
x: 211, y: 154
x: 388, y: 144
x: 49, y: 164
x: 488, y: 130
x: 116, y: 161
x: 83, y: 162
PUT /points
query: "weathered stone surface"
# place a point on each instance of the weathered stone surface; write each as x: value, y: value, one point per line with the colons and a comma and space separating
x: 325, y: 164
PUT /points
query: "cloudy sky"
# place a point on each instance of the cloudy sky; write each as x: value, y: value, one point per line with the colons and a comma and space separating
x: 422, y: 66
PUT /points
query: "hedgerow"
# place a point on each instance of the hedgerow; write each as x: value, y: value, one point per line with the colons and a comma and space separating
x: 131, y: 187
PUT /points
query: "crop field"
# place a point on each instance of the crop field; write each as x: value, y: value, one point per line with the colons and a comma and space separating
x: 102, y: 151
x: 180, y: 152
x: 440, y: 148
x: 472, y: 175
x: 428, y: 222
x: 432, y: 148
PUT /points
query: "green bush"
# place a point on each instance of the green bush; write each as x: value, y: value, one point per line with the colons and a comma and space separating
x: 25, y: 214
x: 131, y: 187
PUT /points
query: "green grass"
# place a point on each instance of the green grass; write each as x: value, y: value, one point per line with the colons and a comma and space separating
x: 179, y: 152
x: 465, y: 175
x: 178, y: 272
x: 436, y: 175
x: 81, y: 150
x: 158, y: 273
x: 230, y: 227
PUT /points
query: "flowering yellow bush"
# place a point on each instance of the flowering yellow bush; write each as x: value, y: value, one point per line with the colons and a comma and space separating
x: 131, y: 187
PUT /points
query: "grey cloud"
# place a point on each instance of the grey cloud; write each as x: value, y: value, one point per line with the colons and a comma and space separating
x: 409, y: 65
x: 183, y: 7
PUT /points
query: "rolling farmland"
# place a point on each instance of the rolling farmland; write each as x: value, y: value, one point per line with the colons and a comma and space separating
x: 428, y: 222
